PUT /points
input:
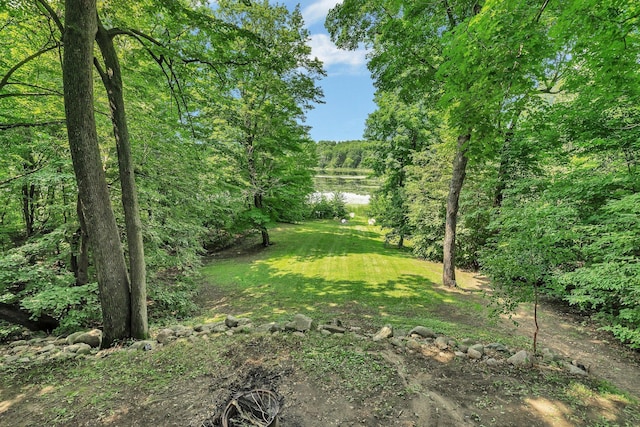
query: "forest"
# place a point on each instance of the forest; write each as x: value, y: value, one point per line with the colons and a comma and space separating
x: 136, y: 136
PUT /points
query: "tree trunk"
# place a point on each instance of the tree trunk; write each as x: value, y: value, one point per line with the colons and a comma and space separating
x: 457, y: 180
x: 80, y: 250
x: 112, y: 80
x: 113, y: 282
x: 257, y: 202
x: 18, y: 316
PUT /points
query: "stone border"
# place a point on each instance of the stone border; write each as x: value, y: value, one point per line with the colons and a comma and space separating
x: 419, y: 340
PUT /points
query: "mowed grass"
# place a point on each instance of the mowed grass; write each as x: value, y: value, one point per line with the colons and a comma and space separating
x: 326, y: 270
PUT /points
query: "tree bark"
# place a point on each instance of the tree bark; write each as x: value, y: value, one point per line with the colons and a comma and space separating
x: 457, y: 180
x: 17, y: 316
x: 113, y: 282
x: 80, y: 250
x: 112, y: 80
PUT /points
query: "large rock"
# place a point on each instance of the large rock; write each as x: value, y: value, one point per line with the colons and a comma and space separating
x: 477, y: 347
x: 474, y: 354
x: 92, y: 338
x: 300, y: 323
x: 423, y: 332
x: 521, y: 358
x: 384, y: 333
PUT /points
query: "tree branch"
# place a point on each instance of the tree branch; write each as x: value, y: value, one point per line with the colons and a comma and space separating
x: 6, y: 126
x: 52, y: 14
x: 544, y: 6
x: 15, y: 68
x: 6, y: 181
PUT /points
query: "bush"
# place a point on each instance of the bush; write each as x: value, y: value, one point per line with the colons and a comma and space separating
x: 322, y: 207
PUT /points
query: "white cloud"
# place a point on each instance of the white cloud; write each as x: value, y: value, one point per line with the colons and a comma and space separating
x: 318, y: 11
x: 323, y: 48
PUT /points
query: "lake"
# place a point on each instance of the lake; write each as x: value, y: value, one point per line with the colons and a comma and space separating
x: 355, y: 184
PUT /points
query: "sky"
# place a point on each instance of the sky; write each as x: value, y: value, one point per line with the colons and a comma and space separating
x: 348, y: 88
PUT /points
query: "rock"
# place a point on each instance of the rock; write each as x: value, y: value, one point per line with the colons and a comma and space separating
x: 576, y: 370
x: 60, y: 341
x: 93, y: 338
x: 19, y: 349
x: 463, y: 348
x: 72, y: 348
x: 83, y: 348
x: 468, y: 342
x: 549, y: 356
x: 300, y: 323
x: 521, y: 358
x: 397, y: 342
x: 496, y: 346
x: 334, y: 329
x: 474, y: 354
x: 243, y: 321
x: 71, y: 338
x: 231, y: 321
x: 442, y: 343
x: 492, y: 362
x: 298, y: 334
x: 580, y: 365
x: 244, y: 329
x: 18, y: 343
x: 24, y: 360
x: 183, y: 331
x: 325, y: 332
x: 385, y: 332
x: 413, y: 345
x: 269, y: 327
x: 423, y: 332
x: 477, y: 347
x: 145, y: 345
x: 165, y: 335
x: 46, y: 349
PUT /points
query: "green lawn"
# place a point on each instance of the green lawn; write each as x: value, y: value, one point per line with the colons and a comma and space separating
x: 326, y: 269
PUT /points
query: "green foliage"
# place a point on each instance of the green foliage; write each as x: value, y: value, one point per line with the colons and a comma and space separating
x: 322, y: 207
x: 172, y: 299
x: 344, y: 154
x: 533, y: 241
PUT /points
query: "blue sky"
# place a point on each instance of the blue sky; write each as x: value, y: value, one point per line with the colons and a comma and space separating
x: 348, y: 89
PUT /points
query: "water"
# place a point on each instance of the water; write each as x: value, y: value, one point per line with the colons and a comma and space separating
x: 356, y: 185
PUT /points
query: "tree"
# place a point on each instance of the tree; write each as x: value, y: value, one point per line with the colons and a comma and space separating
x: 80, y: 29
x: 401, y: 133
x: 265, y: 100
x: 474, y: 61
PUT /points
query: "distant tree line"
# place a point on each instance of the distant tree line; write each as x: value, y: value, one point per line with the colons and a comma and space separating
x: 344, y: 154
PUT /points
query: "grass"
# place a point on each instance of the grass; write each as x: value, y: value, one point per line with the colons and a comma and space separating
x: 323, y: 269
x: 326, y: 269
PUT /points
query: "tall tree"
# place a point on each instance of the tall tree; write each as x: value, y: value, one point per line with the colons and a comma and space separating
x: 266, y: 99
x: 401, y: 132
x: 472, y: 60
x: 80, y: 24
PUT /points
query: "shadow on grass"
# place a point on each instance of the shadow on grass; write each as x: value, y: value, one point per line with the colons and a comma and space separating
x: 267, y: 293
